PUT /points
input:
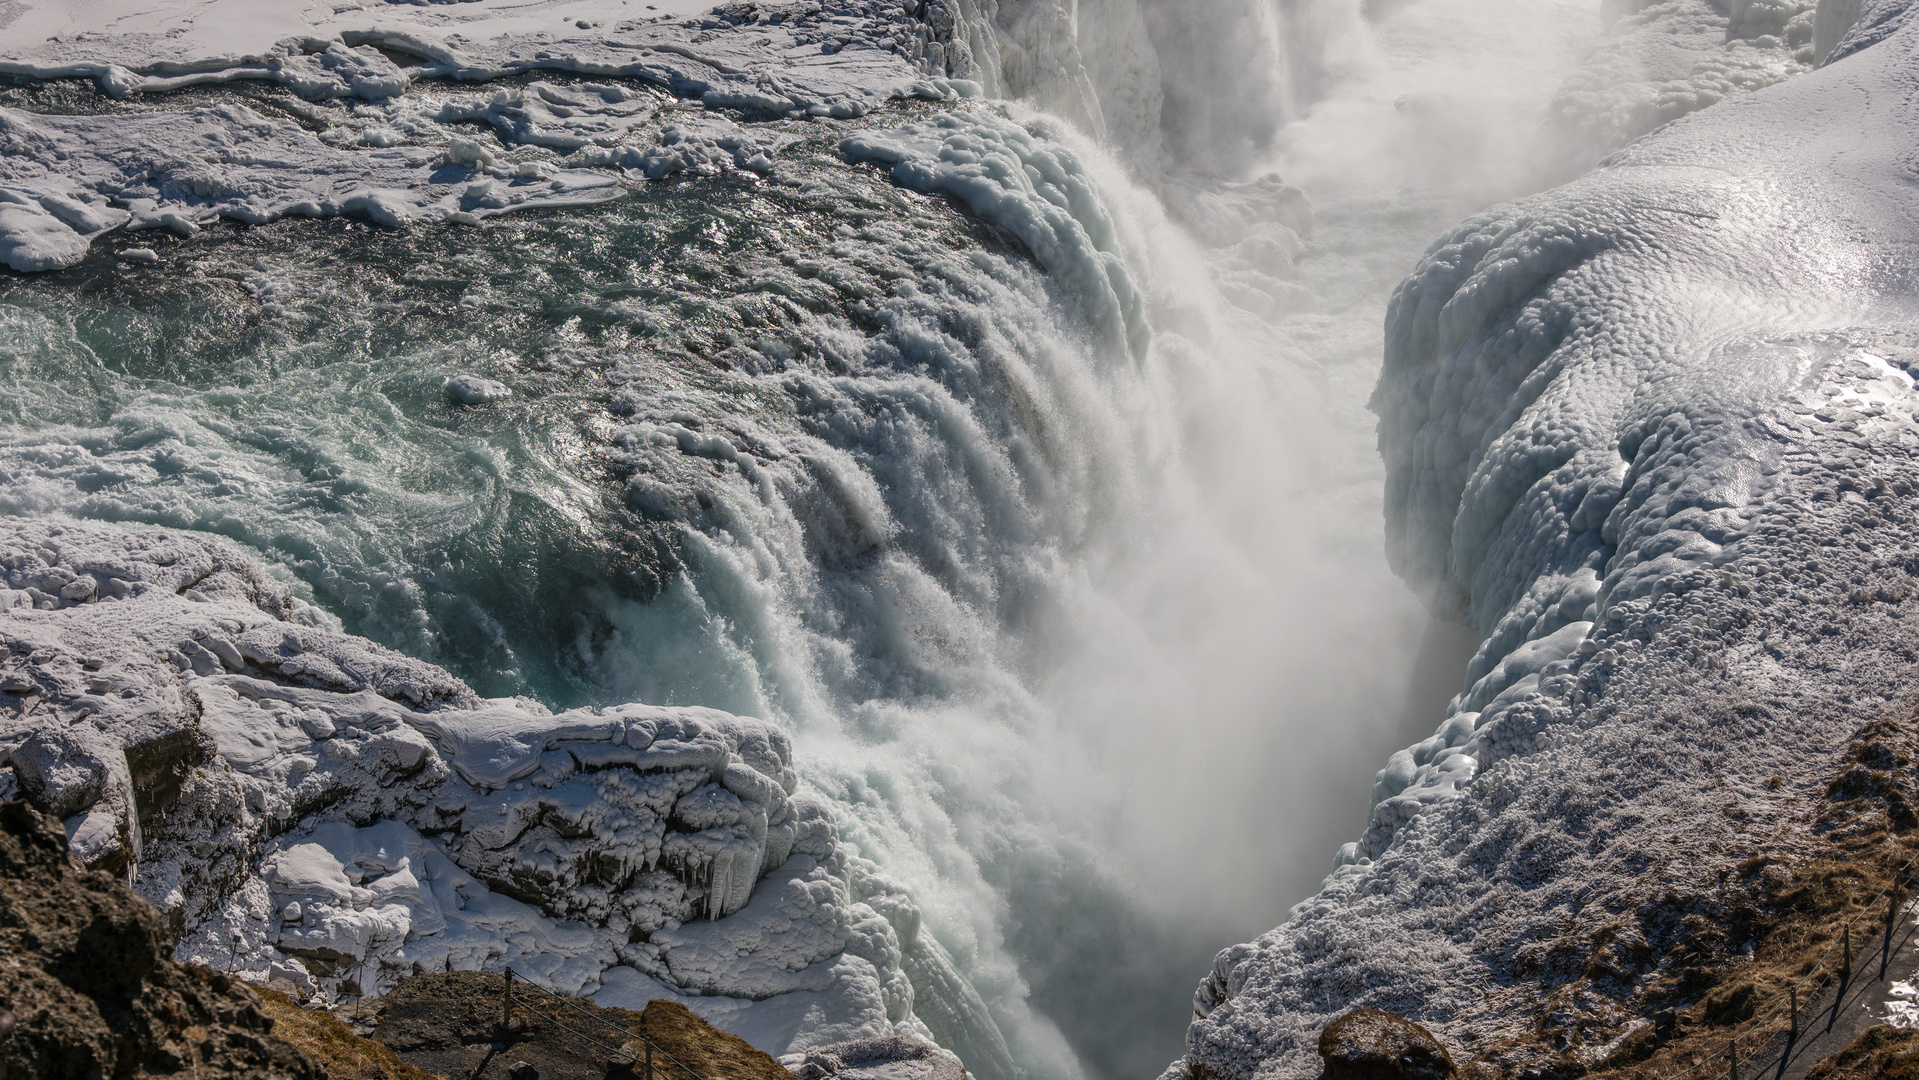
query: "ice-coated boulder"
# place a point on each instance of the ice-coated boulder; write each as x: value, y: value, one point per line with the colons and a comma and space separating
x: 307, y: 806
x: 885, y: 1058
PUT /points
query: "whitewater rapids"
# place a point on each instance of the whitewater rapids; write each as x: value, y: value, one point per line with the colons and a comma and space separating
x: 402, y: 394
x: 735, y: 362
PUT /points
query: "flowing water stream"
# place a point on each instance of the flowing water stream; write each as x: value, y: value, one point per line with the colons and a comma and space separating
x: 1091, y: 642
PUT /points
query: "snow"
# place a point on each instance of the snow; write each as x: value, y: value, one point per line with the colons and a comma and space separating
x: 1653, y: 436
x: 403, y: 153
x: 50, y: 231
x: 197, y: 30
x: 483, y: 833
x: 315, y: 808
x: 878, y: 462
x: 1902, y: 1006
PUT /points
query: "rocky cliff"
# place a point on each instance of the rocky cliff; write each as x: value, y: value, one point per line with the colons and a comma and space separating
x: 90, y: 990
x: 1652, y: 436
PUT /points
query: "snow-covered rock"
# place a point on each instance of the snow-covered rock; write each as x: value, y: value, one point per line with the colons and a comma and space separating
x: 1653, y: 435
x: 306, y: 805
x: 405, y: 150
x: 892, y: 1058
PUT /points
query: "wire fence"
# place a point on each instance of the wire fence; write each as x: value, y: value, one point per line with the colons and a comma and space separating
x: 632, y: 1049
x: 1773, y: 1050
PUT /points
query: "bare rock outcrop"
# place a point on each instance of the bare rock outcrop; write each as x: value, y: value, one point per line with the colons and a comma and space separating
x: 86, y: 976
x: 1367, y: 1044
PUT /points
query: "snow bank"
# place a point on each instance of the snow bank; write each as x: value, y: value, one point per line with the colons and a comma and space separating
x: 1653, y: 436
x: 405, y: 149
x: 311, y: 807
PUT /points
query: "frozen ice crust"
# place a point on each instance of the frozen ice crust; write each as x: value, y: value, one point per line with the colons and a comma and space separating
x: 414, y: 78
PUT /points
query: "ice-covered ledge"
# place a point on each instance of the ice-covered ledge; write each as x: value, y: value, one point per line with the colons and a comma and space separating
x: 830, y: 57
x: 1652, y: 435
x: 400, y: 87
x: 306, y: 805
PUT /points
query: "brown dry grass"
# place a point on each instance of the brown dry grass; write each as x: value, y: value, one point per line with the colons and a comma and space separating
x: 1882, y: 1053
x: 1865, y: 831
x: 709, y: 1052
x: 449, y: 1021
x: 327, y: 1039
x: 1851, y: 843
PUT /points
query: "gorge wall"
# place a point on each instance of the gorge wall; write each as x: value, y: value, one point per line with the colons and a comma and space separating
x: 1651, y: 434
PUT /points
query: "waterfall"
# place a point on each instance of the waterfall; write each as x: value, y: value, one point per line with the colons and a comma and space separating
x: 1006, y: 447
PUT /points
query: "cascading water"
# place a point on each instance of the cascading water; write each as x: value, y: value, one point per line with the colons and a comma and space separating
x: 1043, y: 515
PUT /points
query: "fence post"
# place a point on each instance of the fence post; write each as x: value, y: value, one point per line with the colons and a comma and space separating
x: 1792, y: 1034
x: 1845, y: 967
x: 1895, y: 901
x: 506, y: 1007
x: 1732, y: 1054
x: 649, y: 1058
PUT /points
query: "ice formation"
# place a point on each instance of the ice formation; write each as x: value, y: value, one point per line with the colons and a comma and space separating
x: 1662, y: 60
x: 310, y: 807
x: 1652, y: 435
x: 401, y: 152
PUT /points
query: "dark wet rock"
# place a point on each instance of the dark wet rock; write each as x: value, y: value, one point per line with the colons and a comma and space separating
x: 87, y: 985
x: 1367, y: 1044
